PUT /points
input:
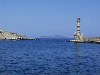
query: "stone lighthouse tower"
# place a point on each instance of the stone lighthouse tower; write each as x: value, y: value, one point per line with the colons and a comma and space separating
x: 78, y: 35
x: 78, y: 25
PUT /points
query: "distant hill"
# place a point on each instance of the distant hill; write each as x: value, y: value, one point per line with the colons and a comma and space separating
x: 56, y: 36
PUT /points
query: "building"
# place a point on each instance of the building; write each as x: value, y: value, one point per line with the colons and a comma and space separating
x: 10, y: 35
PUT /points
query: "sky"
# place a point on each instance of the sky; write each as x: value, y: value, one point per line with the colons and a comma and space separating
x: 35, y: 18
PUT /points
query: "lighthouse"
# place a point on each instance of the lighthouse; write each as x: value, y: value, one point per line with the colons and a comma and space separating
x: 78, y: 35
x: 78, y: 25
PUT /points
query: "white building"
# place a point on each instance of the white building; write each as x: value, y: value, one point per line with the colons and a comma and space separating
x: 10, y: 35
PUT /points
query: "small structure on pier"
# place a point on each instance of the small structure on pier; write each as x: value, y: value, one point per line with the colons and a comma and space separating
x: 78, y: 36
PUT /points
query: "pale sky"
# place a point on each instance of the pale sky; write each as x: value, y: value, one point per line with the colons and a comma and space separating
x: 36, y: 18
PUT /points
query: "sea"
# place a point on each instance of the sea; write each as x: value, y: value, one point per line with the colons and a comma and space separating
x: 48, y: 56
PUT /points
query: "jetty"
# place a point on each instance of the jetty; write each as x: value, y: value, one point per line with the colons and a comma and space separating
x: 79, y: 38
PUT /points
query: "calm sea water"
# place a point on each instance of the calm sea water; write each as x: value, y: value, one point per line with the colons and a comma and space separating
x: 49, y: 57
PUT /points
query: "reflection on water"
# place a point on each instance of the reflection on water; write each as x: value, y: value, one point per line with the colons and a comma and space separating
x: 77, y: 58
x: 86, y: 64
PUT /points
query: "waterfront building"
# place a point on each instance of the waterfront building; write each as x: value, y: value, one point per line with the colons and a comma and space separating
x: 10, y: 35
